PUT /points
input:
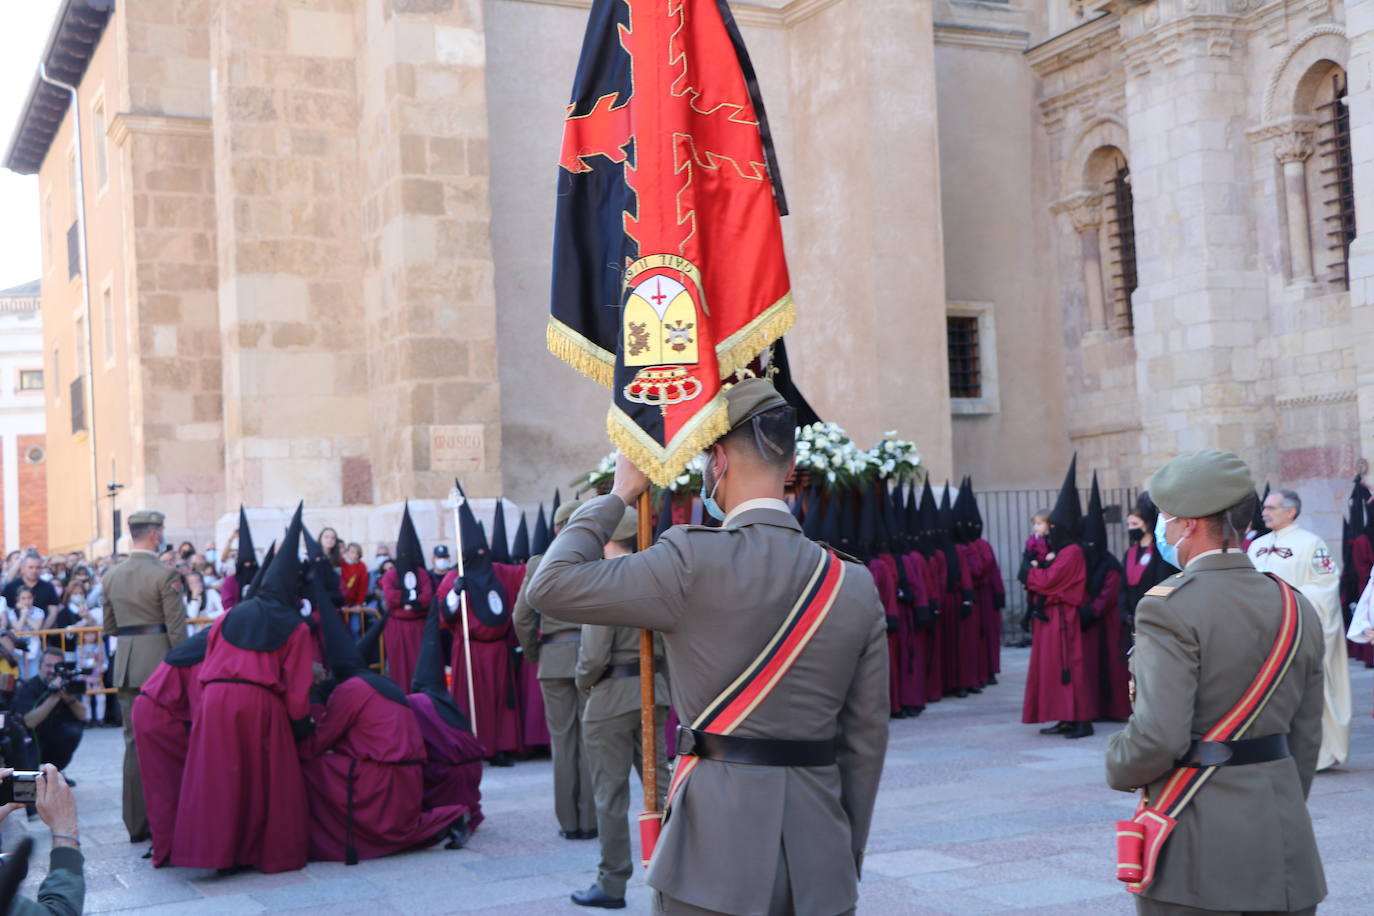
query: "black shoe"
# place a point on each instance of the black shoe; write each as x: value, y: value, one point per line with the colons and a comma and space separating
x: 913, y: 711
x: 502, y: 759
x: 458, y: 833
x: 960, y: 692
x: 899, y: 714
x: 578, y: 834
x: 992, y: 680
x: 975, y: 690
x: 1080, y: 730
x: 595, y: 896
x: 149, y: 853
x: 1057, y: 729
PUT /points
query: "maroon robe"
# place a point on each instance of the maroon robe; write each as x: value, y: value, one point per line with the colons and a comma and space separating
x: 1114, y: 675
x: 229, y: 591
x: 406, y: 626
x: 453, y: 761
x: 163, y: 712
x: 1059, y: 644
x: 936, y: 576
x: 990, y: 595
x: 534, y: 727
x: 243, y: 797
x: 365, y: 768
x: 1362, y: 561
x: 972, y: 657
x: 884, y: 573
x: 914, y: 660
x: 497, y: 722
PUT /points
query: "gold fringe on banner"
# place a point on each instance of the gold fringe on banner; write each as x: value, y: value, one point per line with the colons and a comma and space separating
x: 743, y: 347
x: 580, y: 353
x: 664, y: 465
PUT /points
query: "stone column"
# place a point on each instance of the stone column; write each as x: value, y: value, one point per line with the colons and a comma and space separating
x: 1085, y: 213
x: 1359, y: 24
x: 1292, y: 150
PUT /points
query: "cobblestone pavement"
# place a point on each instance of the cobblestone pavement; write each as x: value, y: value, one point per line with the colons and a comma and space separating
x: 978, y: 814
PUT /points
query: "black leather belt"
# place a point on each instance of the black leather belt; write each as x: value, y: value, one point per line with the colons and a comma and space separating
x: 631, y: 670
x: 760, y: 752
x: 156, y: 629
x: 238, y: 680
x: 564, y: 636
x: 1235, y: 753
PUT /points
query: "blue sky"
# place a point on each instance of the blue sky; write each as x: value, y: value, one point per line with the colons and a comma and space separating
x: 24, y: 30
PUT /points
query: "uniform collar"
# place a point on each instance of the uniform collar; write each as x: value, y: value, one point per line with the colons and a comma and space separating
x: 763, y: 507
x: 1219, y: 559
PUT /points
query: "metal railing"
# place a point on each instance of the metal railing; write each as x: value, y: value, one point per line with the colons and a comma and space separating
x: 71, y: 637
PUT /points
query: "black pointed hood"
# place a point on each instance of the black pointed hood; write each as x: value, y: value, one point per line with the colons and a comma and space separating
x: 520, y: 549
x: 1066, y: 518
x: 367, y: 643
x: 929, y: 521
x: 410, y: 555
x: 267, y: 618
x: 345, y: 659
x: 251, y: 588
x: 557, y: 501
x: 246, y: 563
x: 960, y: 516
x: 429, y: 674
x: 665, y: 515
x: 811, y: 520
x: 975, y: 512
x: 1257, y: 522
x: 474, y: 539
x: 500, y: 551
x: 190, y: 651
x: 539, y: 540
x: 1096, y: 550
x: 944, y: 533
x: 830, y: 519
x: 487, y: 600
x: 869, y: 543
x: 1359, y: 514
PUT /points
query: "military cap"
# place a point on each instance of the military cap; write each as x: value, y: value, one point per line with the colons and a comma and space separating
x: 147, y: 517
x: 628, y: 527
x: 749, y: 398
x: 565, y: 511
x: 1201, y: 484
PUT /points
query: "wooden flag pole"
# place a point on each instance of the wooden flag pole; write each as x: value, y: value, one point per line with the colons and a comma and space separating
x: 648, y: 725
x: 458, y: 499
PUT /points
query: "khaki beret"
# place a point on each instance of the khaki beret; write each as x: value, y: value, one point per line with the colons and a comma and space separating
x: 1201, y: 484
x: 147, y: 517
x: 628, y: 527
x: 749, y: 398
x: 565, y: 511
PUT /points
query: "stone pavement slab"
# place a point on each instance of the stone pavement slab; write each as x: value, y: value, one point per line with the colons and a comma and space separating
x: 978, y: 814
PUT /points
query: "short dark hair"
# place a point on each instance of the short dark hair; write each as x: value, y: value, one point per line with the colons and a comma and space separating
x: 53, y: 650
x: 772, y: 436
x: 1232, y: 523
x: 139, y: 530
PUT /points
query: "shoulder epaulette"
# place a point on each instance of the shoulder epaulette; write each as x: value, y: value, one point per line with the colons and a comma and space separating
x: 841, y: 554
x: 1169, y: 586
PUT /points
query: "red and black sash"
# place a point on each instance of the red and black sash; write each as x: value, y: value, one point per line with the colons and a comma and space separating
x: 1140, y: 840
x: 733, y: 706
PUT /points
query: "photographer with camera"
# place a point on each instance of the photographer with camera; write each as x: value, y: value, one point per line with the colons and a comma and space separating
x: 63, y: 891
x: 52, y: 707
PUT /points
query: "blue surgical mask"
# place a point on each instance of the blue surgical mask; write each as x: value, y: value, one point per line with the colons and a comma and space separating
x: 708, y: 500
x: 1169, y: 552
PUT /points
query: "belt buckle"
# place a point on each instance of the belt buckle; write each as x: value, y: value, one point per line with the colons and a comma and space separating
x: 686, y: 741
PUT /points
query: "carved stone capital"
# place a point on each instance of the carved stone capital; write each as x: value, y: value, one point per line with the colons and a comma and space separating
x: 1293, y: 146
x: 1083, y: 209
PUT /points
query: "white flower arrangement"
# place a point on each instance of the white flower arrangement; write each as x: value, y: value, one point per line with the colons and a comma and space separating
x: 600, y: 477
x: 826, y: 452
x: 896, y: 460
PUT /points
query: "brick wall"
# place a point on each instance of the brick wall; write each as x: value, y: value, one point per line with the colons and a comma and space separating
x: 33, y: 496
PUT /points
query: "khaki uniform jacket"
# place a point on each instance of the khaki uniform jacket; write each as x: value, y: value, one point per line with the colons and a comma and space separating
x: 556, y: 660
x: 609, y: 697
x: 1245, y: 842
x: 718, y: 596
x: 142, y: 592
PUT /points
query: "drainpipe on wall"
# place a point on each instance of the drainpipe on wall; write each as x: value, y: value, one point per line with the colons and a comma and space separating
x: 86, y: 296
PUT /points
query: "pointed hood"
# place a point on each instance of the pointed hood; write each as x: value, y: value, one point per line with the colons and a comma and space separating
x: 1066, y: 518
x: 976, y: 513
x: 252, y: 587
x: 473, y: 537
x: 960, y: 516
x: 539, y: 540
x: 665, y: 515
x: 869, y: 543
x: 487, y: 600
x: 946, y: 525
x: 500, y: 552
x: 190, y: 651
x: 944, y: 533
x: 1096, y: 550
x: 246, y: 563
x: 410, y: 556
x: 811, y: 520
x: 341, y: 651
x: 429, y: 674
x: 1359, y: 504
x: 367, y: 643
x: 1257, y: 522
x: 267, y: 618
x: 930, y: 520
x: 520, y: 549
x: 557, y: 501
x: 830, y: 520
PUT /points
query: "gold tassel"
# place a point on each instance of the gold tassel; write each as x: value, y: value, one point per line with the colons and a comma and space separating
x: 742, y: 347
x: 580, y: 353
x: 626, y: 436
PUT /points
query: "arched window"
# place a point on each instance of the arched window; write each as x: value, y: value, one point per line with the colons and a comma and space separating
x: 1109, y: 245
x: 1334, y: 177
x: 1121, y: 243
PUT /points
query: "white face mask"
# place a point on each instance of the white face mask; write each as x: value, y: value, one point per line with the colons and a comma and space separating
x: 441, y: 564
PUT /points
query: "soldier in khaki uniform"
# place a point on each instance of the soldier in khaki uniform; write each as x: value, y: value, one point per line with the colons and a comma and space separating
x: 552, y: 645
x: 769, y: 836
x: 608, y: 671
x: 141, y: 599
x: 1244, y: 843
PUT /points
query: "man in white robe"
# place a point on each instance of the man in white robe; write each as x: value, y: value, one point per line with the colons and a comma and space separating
x: 1305, y: 562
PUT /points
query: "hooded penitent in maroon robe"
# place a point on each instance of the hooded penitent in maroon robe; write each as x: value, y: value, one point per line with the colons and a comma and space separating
x: 1058, y: 646
x: 534, y: 727
x: 990, y: 594
x: 882, y: 570
x: 408, y: 591
x: 163, y: 713
x: 242, y: 797
x: 366, y: 759
x: 453, y: 760
x: 917, y: 613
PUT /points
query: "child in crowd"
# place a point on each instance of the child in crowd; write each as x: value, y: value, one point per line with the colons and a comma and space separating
x: 1037, y: 549
x: 90, y: 658
x: 353, y: 576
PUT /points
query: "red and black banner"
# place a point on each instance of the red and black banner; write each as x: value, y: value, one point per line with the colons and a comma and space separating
x: 668, y: 269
